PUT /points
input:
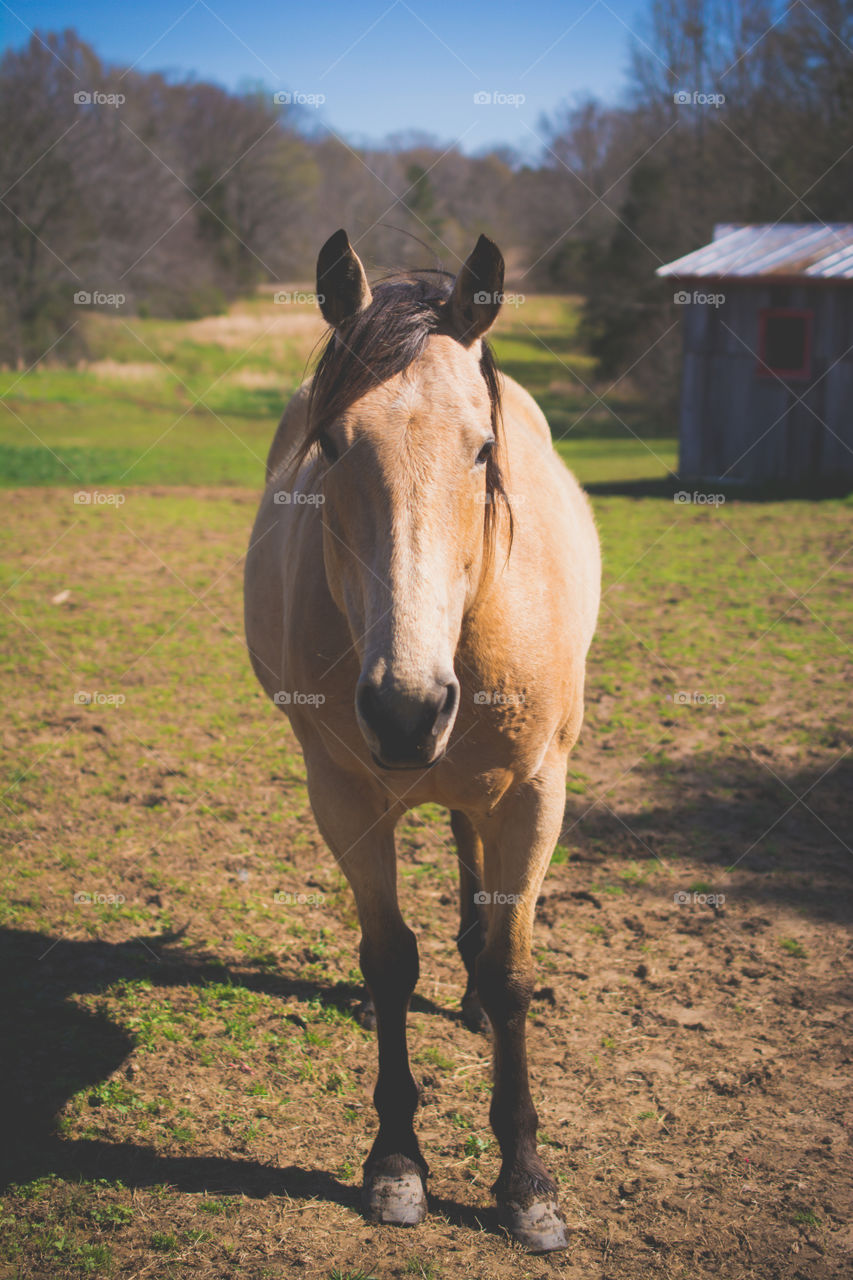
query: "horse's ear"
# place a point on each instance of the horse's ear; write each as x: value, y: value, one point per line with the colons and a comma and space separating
x: 473, y: 306
x: 342, y: 288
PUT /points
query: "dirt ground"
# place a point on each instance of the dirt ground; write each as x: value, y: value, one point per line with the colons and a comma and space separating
x: 188, y: 1092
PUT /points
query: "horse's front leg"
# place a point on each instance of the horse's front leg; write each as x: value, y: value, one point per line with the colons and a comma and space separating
x: 472, y: 914
x: 519, y: 838
x: 358, y: 824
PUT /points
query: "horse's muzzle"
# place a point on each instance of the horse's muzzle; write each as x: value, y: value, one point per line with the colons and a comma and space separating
x: 406, y: 730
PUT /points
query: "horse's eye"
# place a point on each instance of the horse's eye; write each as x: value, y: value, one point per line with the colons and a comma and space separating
x: 327, y: 447
x: 484, y: 452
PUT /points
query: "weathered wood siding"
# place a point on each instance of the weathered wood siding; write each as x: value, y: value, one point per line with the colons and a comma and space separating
x: 740, y: 426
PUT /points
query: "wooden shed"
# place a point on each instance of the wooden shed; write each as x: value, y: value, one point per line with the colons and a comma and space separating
x: 767, y: 380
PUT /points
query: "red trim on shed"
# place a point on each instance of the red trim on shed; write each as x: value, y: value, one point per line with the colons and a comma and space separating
x: 764, y: 368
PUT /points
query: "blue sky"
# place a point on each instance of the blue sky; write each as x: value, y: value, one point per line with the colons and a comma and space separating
x: 382, y: 65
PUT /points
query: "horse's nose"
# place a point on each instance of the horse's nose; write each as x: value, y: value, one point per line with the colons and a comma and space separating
x: 405, y: 729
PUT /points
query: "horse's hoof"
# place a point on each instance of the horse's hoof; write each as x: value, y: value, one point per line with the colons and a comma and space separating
x: 540, y: 1227
x: 474, y: 1016
x: 365, y: 1015
x: 398, y: 1198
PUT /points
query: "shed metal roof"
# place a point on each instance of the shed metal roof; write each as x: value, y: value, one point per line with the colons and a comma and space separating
x: 805, y: 250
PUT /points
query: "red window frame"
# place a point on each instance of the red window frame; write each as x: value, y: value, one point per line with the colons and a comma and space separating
x: 766, y: 370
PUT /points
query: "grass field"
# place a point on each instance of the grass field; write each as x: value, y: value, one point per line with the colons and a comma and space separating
x: 188, y: 1089
x: 166, y: 402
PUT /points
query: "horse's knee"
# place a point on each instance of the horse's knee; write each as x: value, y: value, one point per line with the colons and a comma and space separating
x: 389, y: 962
x: 469, y: 941
x: 504, y: 988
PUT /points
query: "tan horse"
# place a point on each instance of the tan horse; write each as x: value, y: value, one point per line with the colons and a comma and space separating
x: 421, y: 591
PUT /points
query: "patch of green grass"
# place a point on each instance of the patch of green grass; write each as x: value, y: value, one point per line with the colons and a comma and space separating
x: 219, y: 1207
x: 417, y: 1266
x: 110, y: 1215
x: 634, y: 873
x: 164, y: 1242
x: 807, y: 1217
x: 115, y: 1094
x: 57, y: 1247
x: 793, y: 947
x: 474, y: 1146
x: 434, y: 1056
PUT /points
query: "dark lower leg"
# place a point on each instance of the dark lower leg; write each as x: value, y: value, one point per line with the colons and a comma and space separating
x: 506, y: 996
x: 390, y: 968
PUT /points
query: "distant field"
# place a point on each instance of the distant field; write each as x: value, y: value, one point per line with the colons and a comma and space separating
x: 174, y: 402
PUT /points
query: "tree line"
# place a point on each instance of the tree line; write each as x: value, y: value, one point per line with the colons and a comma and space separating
x: 178, y: 196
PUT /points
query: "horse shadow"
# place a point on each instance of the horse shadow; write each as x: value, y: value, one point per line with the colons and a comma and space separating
x: 785, y: 834
x: 52, y: 1048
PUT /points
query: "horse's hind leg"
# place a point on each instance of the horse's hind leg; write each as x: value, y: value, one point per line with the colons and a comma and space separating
x: 358, y: 825
x: 519, y: 838
x: 472, y: 933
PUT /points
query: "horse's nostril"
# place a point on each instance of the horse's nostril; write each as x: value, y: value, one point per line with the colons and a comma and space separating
x: 451, y: 699
x: 366, y: 700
